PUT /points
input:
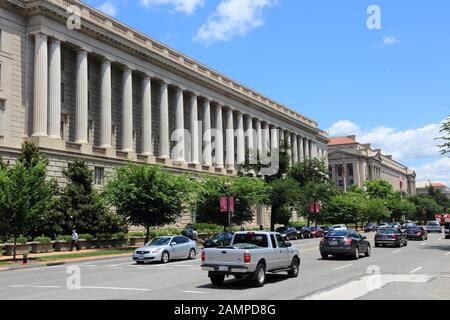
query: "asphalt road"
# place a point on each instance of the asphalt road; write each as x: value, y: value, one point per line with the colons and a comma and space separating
x: 419, y: 271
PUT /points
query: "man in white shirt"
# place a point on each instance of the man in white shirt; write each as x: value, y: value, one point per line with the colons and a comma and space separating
x: 74, y: 240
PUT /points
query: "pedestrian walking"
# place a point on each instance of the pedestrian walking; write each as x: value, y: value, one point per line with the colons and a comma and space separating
x: 74, y: 241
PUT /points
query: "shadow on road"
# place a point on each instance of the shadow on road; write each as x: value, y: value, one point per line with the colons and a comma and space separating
x: 234, y: 284
x: 445, y: 247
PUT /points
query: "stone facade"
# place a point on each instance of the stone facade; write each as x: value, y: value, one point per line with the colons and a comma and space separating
x: 352, y: 163
x: 107, y: 93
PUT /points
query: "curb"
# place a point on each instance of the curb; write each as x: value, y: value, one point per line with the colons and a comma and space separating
x: 62, y: 262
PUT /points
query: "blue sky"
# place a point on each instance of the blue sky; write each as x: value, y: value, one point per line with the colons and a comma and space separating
x: 389, y: 86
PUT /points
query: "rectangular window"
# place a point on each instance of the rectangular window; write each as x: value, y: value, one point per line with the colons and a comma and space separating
x: 1, y: 82
x: 350, y: 170
x: 99, y: 176
x: 62, y: 92
x: 2, y: 116
x: 1, y: 40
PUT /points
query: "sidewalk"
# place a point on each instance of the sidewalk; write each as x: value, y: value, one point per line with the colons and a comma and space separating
x: 58, y: 258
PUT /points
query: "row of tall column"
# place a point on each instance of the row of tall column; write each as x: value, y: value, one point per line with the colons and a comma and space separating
x: 238, y: 132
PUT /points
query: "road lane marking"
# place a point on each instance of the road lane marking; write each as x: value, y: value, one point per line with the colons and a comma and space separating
x: 448, y: 253
x: 48, y: 287
x: 342, y: 267
x: 115, y: 288
x: 397, y: 251
x: 359, y: 288
x: 417, y: 269
x: 423, y: 244
x: 17, y: 286
x: 195, y: 292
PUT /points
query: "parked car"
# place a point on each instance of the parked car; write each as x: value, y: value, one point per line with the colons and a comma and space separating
x: 288, y: 233
x: 396, y: 225
x: 417, y: 233
x: 326, y: 230
x: 371, y: 227
x: 219, y: 240
x: 316, y: 232
x: 303, y: 233
x: 339, y: 227
x: 164, y: 249
x: 344, y: 243
x: 447, y: 230
x: 390, y: 236
x: 434, y: 226
x: 383, y: 225
x: 251, y: 255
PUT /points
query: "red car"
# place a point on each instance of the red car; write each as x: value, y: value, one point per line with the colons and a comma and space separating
x: 316, y: 232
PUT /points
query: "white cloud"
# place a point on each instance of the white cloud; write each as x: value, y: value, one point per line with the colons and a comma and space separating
x: 389, y: 40
x: 109, y: 8
x: 411, y: 144
x: 232, y: 18
x: 343, y: 128
x: 437, y: 171
x: 186, y: 6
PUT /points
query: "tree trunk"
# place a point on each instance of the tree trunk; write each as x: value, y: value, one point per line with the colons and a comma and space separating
x: 147, y: 236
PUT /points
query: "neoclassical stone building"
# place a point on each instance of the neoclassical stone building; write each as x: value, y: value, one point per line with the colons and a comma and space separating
x: 80, y: 84
x: 352, y: 163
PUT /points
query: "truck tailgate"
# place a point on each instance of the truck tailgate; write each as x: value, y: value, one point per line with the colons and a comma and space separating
x: 224, y: 257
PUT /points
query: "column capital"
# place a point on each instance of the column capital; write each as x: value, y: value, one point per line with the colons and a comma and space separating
x: 107, y: 59
x: 128, y: 67
x: 178, y: 86
x: 83, y: 49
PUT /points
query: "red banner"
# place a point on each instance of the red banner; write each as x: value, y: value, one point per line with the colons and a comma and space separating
x: 224, y: 204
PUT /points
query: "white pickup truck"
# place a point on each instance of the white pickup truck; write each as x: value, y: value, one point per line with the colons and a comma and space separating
x: 251, y: 255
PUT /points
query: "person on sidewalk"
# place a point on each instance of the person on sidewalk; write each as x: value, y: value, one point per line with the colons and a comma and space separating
x: 74, y: 241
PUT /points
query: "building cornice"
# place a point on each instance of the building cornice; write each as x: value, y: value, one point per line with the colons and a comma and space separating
x: 113, y: 31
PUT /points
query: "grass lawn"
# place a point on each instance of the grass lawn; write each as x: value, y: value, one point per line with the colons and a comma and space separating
x: 5, y: 263
x: 84, y: 254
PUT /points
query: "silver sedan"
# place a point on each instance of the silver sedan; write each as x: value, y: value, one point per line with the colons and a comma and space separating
x: 164, y: 249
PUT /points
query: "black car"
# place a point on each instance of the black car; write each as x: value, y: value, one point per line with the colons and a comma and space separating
x: 344, y: 243
x: 303, y: 233
x: 417, y: 233
x: 288, y: 233
x: 447, y: 230
x: 371, y: 227
x: 219, y: 240
x: 390, y: 236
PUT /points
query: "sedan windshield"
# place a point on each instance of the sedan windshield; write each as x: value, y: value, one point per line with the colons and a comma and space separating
x: 159, y: 242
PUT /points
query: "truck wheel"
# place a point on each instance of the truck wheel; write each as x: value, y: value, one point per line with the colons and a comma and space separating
x: 259, y: 276
x: 217, y: 279
x: 324, y: 256
x: 293, y: 271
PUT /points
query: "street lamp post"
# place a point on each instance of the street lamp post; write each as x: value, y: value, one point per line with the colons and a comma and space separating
x: 227, y: 191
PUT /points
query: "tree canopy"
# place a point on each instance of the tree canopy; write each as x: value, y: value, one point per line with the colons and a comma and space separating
x: 149, y: 196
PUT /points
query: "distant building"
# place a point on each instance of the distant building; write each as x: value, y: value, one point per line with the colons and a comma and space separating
x: 423, y: 188
x: 352, y: 163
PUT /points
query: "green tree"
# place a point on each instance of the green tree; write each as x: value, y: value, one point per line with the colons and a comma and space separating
x: 81, y: 207
x: 248, y: 193
x: 346, y: 208
x: 149, y: 196
x: 314, y: 184
x: 426, y: 208
x: 445, y: 146
x: 381, y: 189
x: 283, y: 194
x: 25, y: 194
x: 374, y: 210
